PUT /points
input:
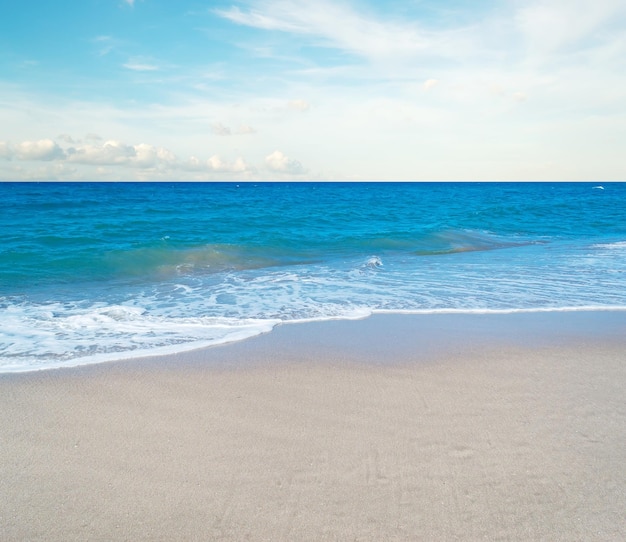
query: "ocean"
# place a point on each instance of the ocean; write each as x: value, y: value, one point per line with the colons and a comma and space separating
x: 91, y: 272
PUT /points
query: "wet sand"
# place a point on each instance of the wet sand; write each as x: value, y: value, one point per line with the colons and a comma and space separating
x: 397, y: 427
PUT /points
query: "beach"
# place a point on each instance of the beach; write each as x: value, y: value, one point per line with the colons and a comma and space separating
x: 395, y: 427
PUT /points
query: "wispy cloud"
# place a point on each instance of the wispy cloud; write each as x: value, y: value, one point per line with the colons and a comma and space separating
x: 335, y: 25
x: 139, y: 66
x: 537, y: 28
x: 558, y: 25
x: 219, y: 129
x: 105, y: 44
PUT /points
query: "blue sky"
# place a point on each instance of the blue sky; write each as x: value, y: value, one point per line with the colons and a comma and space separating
x: 290, y: 89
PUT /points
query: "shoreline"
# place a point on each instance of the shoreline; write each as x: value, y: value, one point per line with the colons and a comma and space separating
x: 394, y: 427
x: 488, y: 325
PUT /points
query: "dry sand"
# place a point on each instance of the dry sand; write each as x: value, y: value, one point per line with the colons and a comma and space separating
x: 391, y: 428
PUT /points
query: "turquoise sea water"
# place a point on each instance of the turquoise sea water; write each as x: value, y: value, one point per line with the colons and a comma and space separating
x: 96, y: 271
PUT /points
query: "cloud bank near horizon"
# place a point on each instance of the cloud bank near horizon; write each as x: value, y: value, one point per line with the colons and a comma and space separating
x: 103, y: 160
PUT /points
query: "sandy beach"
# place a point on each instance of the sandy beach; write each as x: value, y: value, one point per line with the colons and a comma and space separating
x: 396, y: 427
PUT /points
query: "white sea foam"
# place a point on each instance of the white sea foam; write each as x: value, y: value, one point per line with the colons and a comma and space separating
x: 373, y: 262
x: 55, y: 336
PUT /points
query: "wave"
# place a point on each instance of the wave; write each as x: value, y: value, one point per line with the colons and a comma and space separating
x: 166, y: 261
x: 453, y: 241
x: 87, y: 259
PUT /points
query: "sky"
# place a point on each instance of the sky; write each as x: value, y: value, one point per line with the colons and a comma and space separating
x: 313, y: 90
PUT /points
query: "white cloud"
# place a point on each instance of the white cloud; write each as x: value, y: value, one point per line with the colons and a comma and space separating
x: 299, y: 105
x: 114, y: 159
x: 215, y: 163
x: 5, y: 150
x: 44, y: 149
x: 277, y: 162
x: 193, y: 164
x: 240, y: 166
x: 140, y: 66
x: 66, y: 138
x: 149, y: 156
x: 110, y: 153
x: 245, y: 129
x: 219, y: 129
x: 430, y: 84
